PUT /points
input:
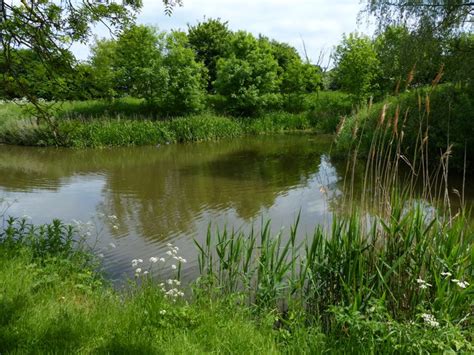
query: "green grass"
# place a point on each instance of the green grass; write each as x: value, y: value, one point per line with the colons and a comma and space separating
x: 129, y: 121
x: 125, y: 132
x: 258, y: 296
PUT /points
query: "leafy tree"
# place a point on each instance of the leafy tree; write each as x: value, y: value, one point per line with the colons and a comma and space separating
x: 48, y: 28
x: 394, y: 53
x: 297, y: 80
x: 31, y: 75
x: 183, y: 88
x: 247, y: 81
x: 102, y: 71
x: 139, y: 61
x: 432, y: 25
x: 440, y: 15
x: 357, y: 67
x: 210, y: 41
x: 284, y: 54
x: 459, y: 53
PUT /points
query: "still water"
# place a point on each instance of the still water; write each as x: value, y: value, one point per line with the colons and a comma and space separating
x: 171, y: 194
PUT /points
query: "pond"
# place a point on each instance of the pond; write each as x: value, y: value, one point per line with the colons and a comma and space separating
x: 170, y: 194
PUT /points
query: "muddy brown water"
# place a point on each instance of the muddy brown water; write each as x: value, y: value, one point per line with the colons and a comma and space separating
x: 170, y: 194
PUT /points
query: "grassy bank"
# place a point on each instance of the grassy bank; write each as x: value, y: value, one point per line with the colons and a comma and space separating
x: 400, y: 287
x: 440, y: 118
x: 129, y: 122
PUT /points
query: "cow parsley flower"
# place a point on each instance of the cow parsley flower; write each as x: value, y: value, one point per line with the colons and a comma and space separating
x: 430, y: 320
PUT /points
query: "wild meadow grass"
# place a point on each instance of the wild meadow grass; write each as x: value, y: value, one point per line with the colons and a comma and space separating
x: 130, y: 121
x: 401, y: 288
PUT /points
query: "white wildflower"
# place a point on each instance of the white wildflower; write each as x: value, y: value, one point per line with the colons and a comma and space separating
x: 173, y: 267
x: 115, y: 227
x: 169, y: 253
x: 145, y: 272
x: 153, y: 259
x: 134, y: 262
x: 112, y: 245
x: 162, y: 260
x: 163, y: 312
x: 138, y: 270
x: 423, y: 284
x: 446, y: 274
x: 430, y: 320
x: 462, y: 284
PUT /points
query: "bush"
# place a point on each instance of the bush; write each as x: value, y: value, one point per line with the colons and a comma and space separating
x: 327, y: 108
x: 247, y: 81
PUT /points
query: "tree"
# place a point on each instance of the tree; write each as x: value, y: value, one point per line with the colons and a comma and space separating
x: 357, y: 67
x: 183, y: 88
x: 441, y: 15
x: 297, y: 80
x: 138, y: 62
x: 295, y: 76
x: 49, y: 27
x: 247, y: 81
x: 210, y: 41
x: 102, y: 60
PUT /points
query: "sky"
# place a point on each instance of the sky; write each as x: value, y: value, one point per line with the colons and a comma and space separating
x: 319, y: 23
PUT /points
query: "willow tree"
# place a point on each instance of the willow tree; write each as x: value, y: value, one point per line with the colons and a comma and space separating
x: 48, y: 28
x: 442, y: 15
x: 433, y: 27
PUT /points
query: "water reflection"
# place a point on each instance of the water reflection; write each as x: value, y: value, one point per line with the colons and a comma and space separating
x: 172, y: 193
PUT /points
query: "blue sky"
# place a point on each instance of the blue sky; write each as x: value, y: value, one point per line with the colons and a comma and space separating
x: 320, y: 23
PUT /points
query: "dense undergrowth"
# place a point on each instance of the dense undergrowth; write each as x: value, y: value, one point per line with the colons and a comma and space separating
x: 129, y: 122
x: 440, y: 116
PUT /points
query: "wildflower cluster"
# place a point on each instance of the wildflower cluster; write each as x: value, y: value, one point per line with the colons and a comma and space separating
x: 170, y: 288
x: 423, y: 284
x: 430, y: 320
x: 461, y: 283
x: 20, y: 101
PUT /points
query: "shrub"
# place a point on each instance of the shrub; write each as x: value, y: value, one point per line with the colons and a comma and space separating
x: 327, y: 108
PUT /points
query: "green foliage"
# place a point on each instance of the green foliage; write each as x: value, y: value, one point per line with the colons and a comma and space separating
x: 394, y: 52
x: 460, y: 60
x: 25, y: 71
x: 298, y: 80
x: 103, y: 75
x: 277, y: 122
x: 210, y: 41
x: 182, y: 91
x: 247, y: 82
x: 327, y: 108
x: 203, y: 128
x: 441, y: 113
x: 357, y: 67
x: 53, y: 300
x: 138, y: 62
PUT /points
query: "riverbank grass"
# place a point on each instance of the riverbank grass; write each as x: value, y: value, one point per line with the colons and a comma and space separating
x: 340, y: 294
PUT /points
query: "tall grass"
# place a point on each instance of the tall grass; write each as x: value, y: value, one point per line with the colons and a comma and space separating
x: 401, y: 247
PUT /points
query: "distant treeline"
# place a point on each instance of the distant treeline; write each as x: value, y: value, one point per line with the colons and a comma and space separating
x: 212, y: 67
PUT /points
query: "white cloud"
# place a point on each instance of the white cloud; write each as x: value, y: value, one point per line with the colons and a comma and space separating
x: 320, y: 23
